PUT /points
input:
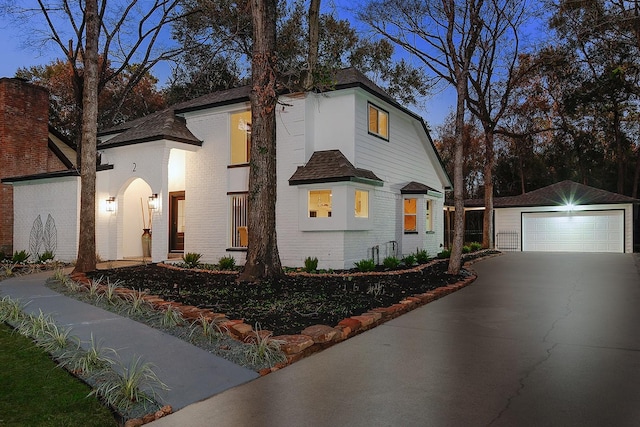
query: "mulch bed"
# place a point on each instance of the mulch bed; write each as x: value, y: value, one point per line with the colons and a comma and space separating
x: 289, y: 305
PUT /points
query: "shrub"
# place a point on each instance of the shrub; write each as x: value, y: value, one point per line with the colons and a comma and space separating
x: 191, y: 259
x: 227, y: 263
x: 171, y: 317
x: 20, y: 257
x: 94, y: 359
x: 391, y: 262
x: 466, y: 249
x: 446, y: 253
x: 422, y: 256
x: 409, y: 260
x: 262, y: 348
x: 310, y: 264
x: 2, y: 256
x: 46, y: 256
x: 210, y: 330
x: 137, y: 384
x: 475, y: 246
x: 365, y: 265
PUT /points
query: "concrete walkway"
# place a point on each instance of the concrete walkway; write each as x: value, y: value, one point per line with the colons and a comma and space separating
x: 538, y: 339
x: 192, y: 374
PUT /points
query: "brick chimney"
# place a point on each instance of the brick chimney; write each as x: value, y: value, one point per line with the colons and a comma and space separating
x: 24, y: 135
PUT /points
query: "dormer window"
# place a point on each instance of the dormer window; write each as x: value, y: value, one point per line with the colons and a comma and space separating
x: 378, y: 122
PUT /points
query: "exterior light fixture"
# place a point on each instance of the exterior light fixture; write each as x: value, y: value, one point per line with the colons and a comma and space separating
x: 110, y: 204
x: 153, y: 201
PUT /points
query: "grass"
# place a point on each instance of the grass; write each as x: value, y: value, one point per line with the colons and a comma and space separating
x: 35, y: 392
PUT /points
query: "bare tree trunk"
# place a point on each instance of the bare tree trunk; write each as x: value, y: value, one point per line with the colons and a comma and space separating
x: 636, y: 175
x: 263, y: 259
x: 455, y: 260
x: 314, y: 36
x: 87, y: 240
x: 487, y: 220
x: 620, y: 157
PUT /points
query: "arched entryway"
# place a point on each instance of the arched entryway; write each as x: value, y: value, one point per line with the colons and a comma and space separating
x: 133, y: 217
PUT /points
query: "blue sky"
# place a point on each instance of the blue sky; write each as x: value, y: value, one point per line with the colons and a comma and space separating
x: 16, y: 54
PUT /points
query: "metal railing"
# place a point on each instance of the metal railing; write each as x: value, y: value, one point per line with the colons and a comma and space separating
x: 508, y: 241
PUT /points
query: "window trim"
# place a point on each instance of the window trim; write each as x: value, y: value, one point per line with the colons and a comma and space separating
x: 404, y: 216
x: 428, y: 215
x: 313, y: 213
x: 355, y: 192
x: 247, y: 142
x: 232, y: 221
x: 377, y: 134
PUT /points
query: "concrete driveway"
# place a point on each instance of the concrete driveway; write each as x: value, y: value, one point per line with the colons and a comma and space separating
x: 539, y: 339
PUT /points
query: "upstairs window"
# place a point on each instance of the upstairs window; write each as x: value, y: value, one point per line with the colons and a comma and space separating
x: 319, y: 203
x: 240, y: 137
x: 378, y: 122
x: 410, y: 216
x: 362, y: 204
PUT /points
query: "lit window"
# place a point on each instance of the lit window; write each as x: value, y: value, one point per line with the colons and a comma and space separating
x: 378, y: 122
x: 319, y: 203
x: 240, y: 137
x: 362, y: 204
x: 429, y: 216
x: 239, y: 235
x: 410, y: 216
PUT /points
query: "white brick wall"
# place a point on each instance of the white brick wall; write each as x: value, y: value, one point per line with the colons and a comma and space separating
x: 305, y: 123
x: 59, y: 198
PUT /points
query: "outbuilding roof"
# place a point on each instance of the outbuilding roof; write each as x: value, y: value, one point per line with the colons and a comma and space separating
x: 559, y: 194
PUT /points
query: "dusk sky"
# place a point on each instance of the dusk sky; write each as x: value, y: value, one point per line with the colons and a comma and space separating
x: 16, y: 54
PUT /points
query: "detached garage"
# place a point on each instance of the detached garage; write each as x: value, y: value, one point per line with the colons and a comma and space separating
x: 565, y: 217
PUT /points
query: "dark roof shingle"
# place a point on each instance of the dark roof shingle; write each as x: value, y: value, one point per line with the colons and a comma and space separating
x: 331, y: 166
x: 559, y: 194
x: 416, y: 188
x: 161, y: 125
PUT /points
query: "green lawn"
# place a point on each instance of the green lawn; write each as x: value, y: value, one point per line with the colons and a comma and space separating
x: 35, y: 392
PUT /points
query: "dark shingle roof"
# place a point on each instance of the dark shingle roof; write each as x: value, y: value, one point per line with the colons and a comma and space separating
x: 416, y: 188
x: 558, y: 194
x: 331, y: 166
x: 161, y: 125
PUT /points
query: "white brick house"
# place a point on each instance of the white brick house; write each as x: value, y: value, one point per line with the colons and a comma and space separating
x: 357, y: 175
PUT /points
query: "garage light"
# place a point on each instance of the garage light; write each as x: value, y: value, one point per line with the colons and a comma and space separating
x: 569, y: 207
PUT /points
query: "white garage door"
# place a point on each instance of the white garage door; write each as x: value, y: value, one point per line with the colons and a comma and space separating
x: 585, y: 231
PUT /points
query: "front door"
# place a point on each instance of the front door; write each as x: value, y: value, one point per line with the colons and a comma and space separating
x: 176, y: 221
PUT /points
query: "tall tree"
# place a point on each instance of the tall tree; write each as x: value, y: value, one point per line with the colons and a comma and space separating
x: 263, y: 259
x: 86, y: 260
x: 217, y: 39
x: 602, y: 38
x: 131, y: 33
x: 443, y: 35
x: 143, y: 99
x: 493, y: 76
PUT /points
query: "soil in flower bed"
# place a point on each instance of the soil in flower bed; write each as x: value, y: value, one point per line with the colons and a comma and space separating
x: 286, y: 306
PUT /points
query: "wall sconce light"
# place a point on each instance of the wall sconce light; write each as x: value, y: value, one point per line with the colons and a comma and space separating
x: 110, y: 204
x: 153, y: 201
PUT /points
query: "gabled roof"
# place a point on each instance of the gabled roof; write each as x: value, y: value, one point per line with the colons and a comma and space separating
x: 331, y: 166
x: 62, y: 148
x: 161, y: 125
x: 166, y: 124
x: 417, y: 188
x: 559, y: 194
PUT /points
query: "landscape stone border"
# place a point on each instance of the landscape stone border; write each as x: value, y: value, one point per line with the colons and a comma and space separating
x: 316, y: 337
